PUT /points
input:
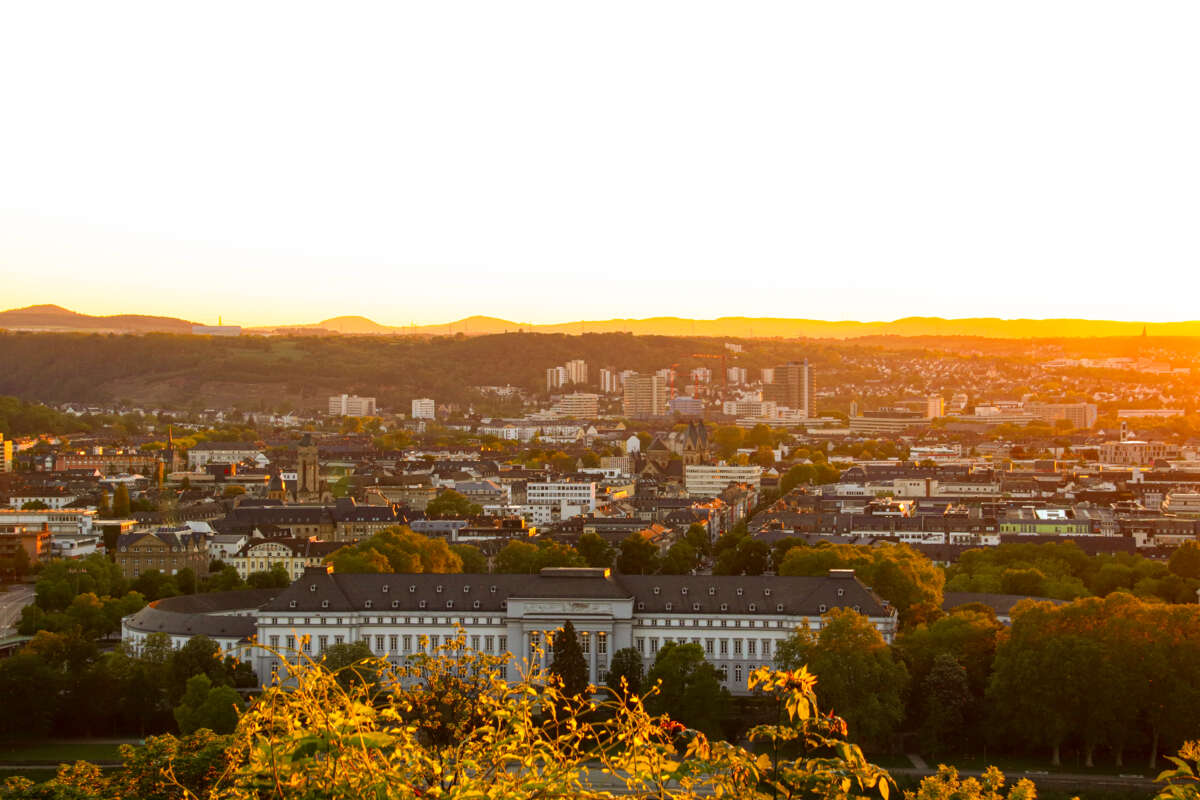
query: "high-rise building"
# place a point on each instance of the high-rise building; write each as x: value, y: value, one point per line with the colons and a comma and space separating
x: 424, y: 408
x: 610, y: 380
x: 935, y: 406
x: 351, y: 405
x: 578, y: 405
x: 645, y: 395
x: 793, y: 387
x: 556, y: 377
x: 736, y: 375
x: 768, y: 375
x: 577, y: 371
x: 6, y: 454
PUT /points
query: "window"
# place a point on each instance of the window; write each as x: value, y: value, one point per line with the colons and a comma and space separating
x: 392, y: 643
x: 408, y: 644
x: 737, y: 673
x: 433, y: 642
x: 379, y: 644
x: 449, y: 604
x: 695, y: 606
x: 740, y: 592
x: 708, y: 646
x: 821, y: 608
x: 534, y: 639
x: 712, y: 590
x: 412, y: 588
x: 656, y: 590
x: 439, y: 588
x: 395, y: 604
x: 724, y: 607
x: 779, y: 607
x: 737, y: 647
x: 751, y: 648
x: 585, y: 642
x: 324, y: 604
x: 367, y: 604
x: 640, y: 643
x: 492, y: 589
x: 641, y: 606
x: 766, y: 592
x: 653, y: 645
x: 724, y: 645
x: 291, y: 642
x: 323, y: 643
x: 475, y: 643
x: 489, y: 642
x: 292, y: 604
x: 753, y: 607
x: 503, y: 643
x: 766, y: 648
x: 602, y: 643
x: 274, y: 642
x: 422, y: 603
x: 474, y: 604
x: 668, y: 605
x: 683, y: 591
x: 339, y: 639
x: 385, y: 588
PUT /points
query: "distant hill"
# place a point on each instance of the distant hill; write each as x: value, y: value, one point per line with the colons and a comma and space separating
x: 57, y: 318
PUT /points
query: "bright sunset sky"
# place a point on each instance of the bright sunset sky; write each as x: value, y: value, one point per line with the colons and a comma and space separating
x: 552, y: 161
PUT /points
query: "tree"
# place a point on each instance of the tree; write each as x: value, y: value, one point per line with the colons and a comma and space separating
x: 1185, y: 560
x: 450, y: 503
x: 399, y: 550
x: 627, y: 665
x: 896, y: 572
x: 199, y: 656
x: 120, y: 504
x: 749, y: 556
x: 638, y: 556
x: 474, y: 562
x: 680, y: 559
x: 203, y: 705
x: 595, y: 550
x: 858, y: 676
x: 946, y: 700
x: 351, y: 662
x: 697, y: 536
x: 275, y: 578
x: 185, y: 579
x: 946, y: 785
x: 523, y: 558
x: 689, y: 688
x: 568, y: 662
x: 31, y: 688
x: 34, y: 505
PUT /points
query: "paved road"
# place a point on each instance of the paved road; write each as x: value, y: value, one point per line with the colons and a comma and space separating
x: 11, y: 603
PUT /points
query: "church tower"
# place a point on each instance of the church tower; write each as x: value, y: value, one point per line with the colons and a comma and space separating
x: 308, y: 473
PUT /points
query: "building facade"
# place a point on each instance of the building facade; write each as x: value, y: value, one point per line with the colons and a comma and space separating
x: 424, y: 408
x: 645, y: 395
x: 351, y: 405
x: 700, y: 480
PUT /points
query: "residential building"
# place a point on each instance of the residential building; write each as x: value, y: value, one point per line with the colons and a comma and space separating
x: 56, y: 520
x: 206, y: 453
x: 36, y: 542
x: 687, y: 406
x: 6, y: 454
x: 887, y: 421
x: 700, y: 480
x: 291, y: 553
x: 610, y: 380
x: 351, y: 405
x: 1080, y: 415
x: 645, y: 395
x: 1133, y: 452
x: 935, y: 406
x: 578, y: 405
x: 577, y: 371
x: 555, y: 377
x: 568, y: 496
x: 167, y: 550
x: 424, y: 408
x: 793, y: 387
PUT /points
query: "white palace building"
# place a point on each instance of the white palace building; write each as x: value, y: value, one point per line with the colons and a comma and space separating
x: 738, y: 620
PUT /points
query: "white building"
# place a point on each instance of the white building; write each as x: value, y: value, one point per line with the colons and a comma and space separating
x: 610, y: 380
x: 424, y: 408
x: 565, y: 495
x: 577, y: 371
x: 221, y: 453
x: 72, y: 521
x: 708, y: 481
x: 351, y: 405
x: 578, y: 405
x: 739, y: 622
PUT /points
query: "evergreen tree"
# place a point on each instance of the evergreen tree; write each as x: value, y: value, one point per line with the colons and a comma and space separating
x: 569, y: 663
x: 120, y: 503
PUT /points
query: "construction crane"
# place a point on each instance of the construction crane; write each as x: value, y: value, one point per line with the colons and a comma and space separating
x: 724, y: 371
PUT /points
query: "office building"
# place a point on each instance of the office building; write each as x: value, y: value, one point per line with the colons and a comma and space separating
x: 424, y: 408
x: 645, y: 395
x: 1080, y: 415
x: 709, y: 481
x: 578, y: 405
x: 792, y: 387
x: 351, y: 405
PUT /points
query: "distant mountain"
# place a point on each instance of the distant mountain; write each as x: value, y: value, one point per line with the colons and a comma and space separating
x: 57, y: 318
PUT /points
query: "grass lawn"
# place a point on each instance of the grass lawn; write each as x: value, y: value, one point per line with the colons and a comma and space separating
x: 1016, y: 766
x: 57, y: 752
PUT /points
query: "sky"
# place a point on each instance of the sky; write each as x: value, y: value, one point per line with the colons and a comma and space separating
x: 551, y: 161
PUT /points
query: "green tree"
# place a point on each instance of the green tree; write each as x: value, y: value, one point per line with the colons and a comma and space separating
x: 1185, y: 560
x: 896, y: 572
x: 749, y: 556
x: 595, y: 550
x: 474, y: 562
x: 568, y: 662
x: 638, y: 555
x: 857, y: 674
x: 680, y: 559
x: 199, y: 656
x: 697, y: 536
x: 450, y: 503
x: 120, y: 504
x: 626, y: 664
x: 689, y: 688
x: 947, y: 703
x: 274, y: 578
x: 203, y: 705
x: 399, y: 550
x: 351, y: 662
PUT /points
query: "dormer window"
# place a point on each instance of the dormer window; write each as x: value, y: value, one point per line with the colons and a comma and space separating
x: 367, y: 604
x: 858, y: 609
x: 821, y: 608
x: 492, y: 588
x: 740, y: 591
x: 766, y: 592
x: 841, y: 592
x: 695, y: 606
x: 475, y: 604
x: 683, y: 591
x: 712, y: 590
x: 395, y: 604
x: 504, y: 604
x: 422, y: 604
x: 312, y: 587
x: 439, y: 588
x: 324, y: 604
x: 412, y: 588
x: 449, y: 604
x: 385, y: 588
x: 753, y: 607
x: 467, y: 588
x: 668, y: 605
x: 641, y: 606
x: 292, y: 604
x: 779, y: 608
x: 724, y: 606
x: 657, y: 590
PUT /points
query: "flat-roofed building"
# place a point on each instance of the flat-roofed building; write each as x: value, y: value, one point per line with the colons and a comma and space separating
x: 701, y: 480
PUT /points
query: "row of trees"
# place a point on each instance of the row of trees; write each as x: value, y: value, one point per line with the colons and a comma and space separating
x: 1061, y: 570
x: 61, y: 684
